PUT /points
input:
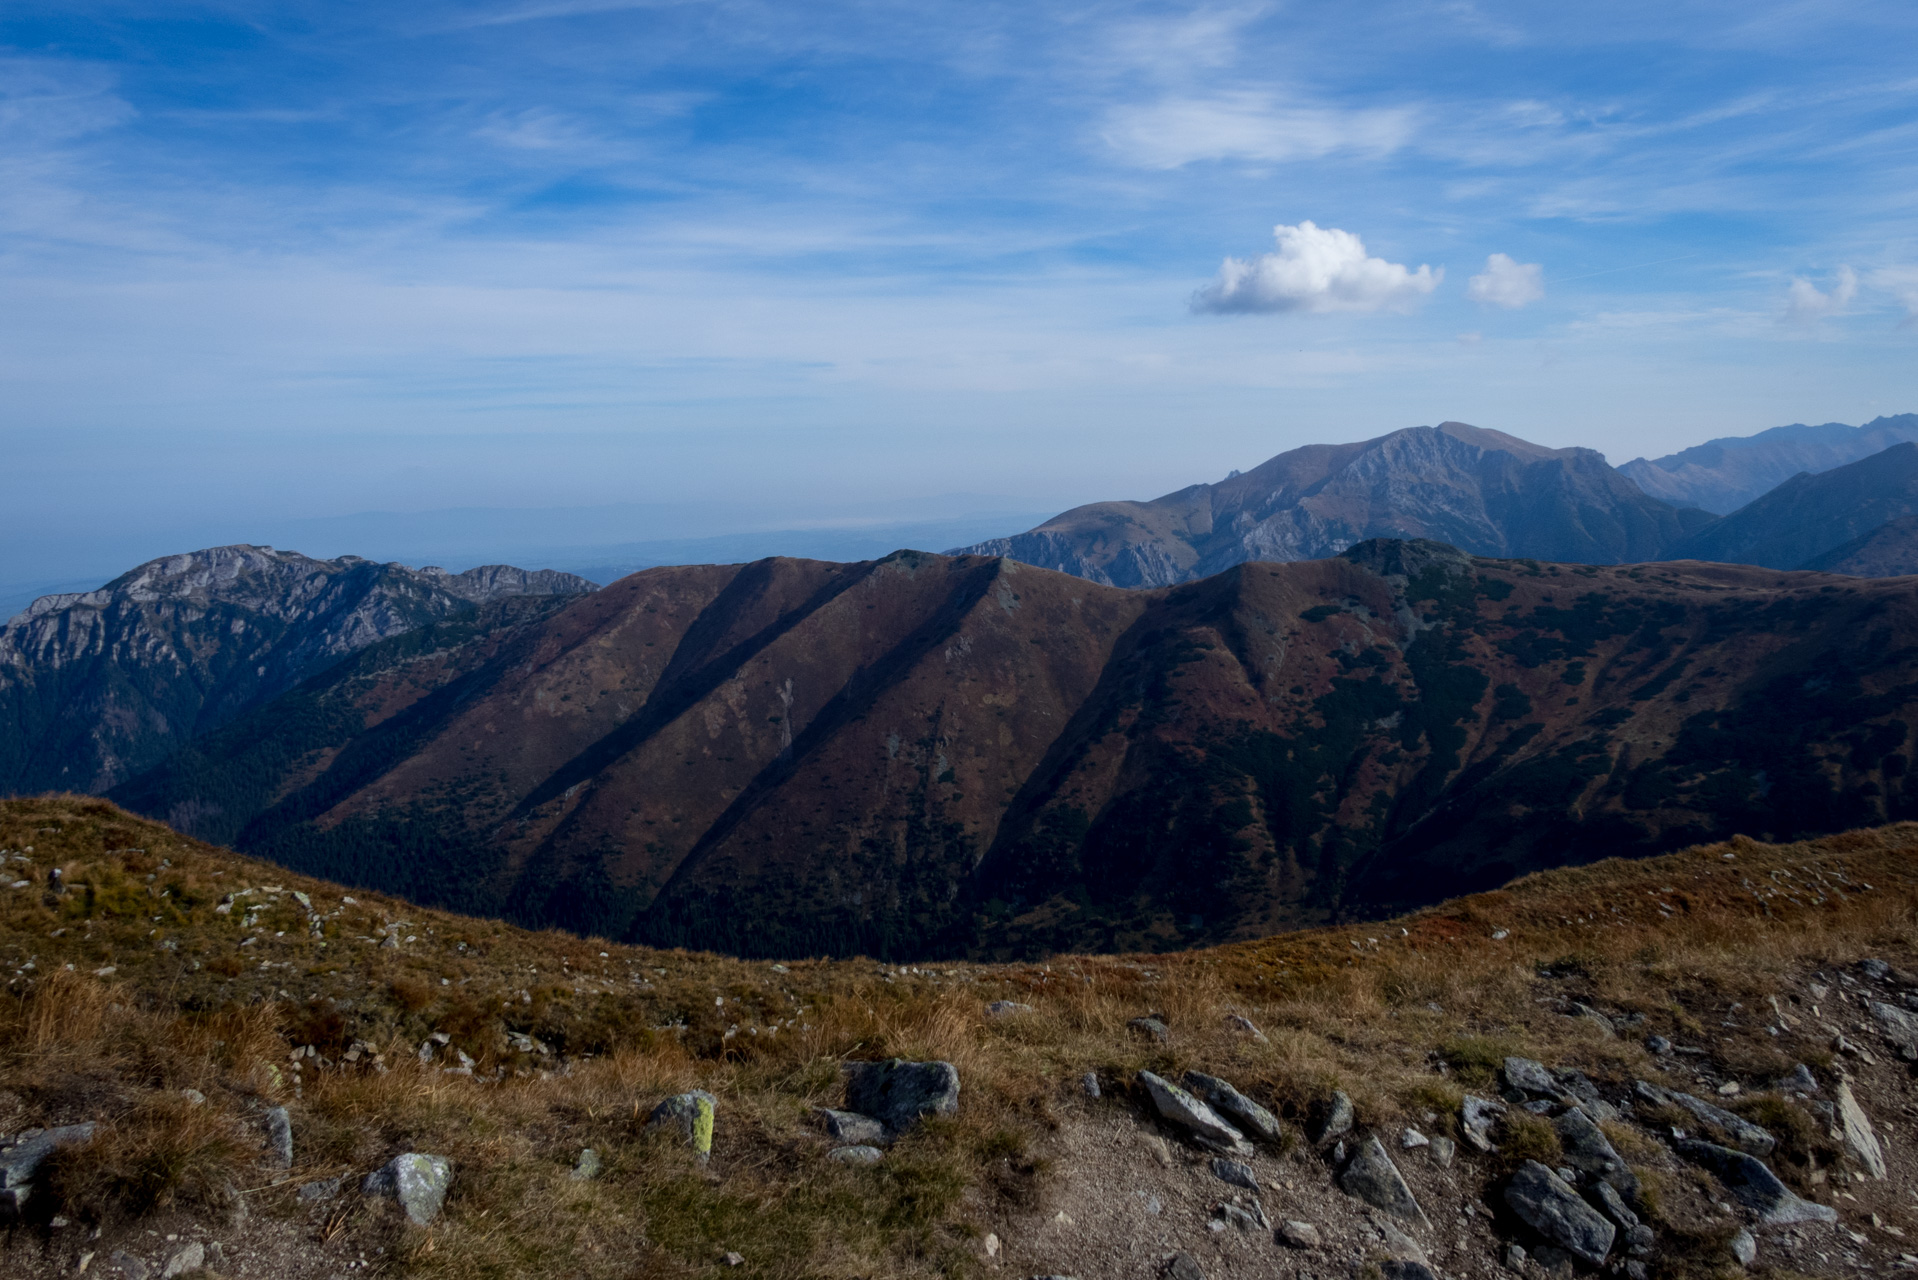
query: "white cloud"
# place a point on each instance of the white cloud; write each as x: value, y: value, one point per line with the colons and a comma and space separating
x: 1315, y: 269
x: 1175, y: 132
x: 1901, y: 283
x: 1505, y: 283
x: 1806, y: 301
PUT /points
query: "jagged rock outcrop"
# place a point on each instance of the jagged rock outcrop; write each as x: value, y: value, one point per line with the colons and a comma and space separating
x: 99, y: 685
x: 1484, y: 491
x: 1723, y: 475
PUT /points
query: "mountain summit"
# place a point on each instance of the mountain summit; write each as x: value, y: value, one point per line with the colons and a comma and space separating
x: 1485, y: 492
x: 98, y: 685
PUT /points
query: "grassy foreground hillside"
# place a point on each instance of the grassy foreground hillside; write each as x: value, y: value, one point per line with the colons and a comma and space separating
x: 131, y: 994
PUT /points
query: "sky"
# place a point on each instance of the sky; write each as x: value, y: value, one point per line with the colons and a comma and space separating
x: 682, y: 268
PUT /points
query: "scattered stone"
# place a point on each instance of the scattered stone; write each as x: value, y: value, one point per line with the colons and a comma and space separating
x: 1898, y: 1026
x: 1243, y: 1219
x: 732, y: 1259
x: 1548, y: 1206
x: 1444, y: 1151
x: 1160, y: 1151
x: 320, y: 1189
x: 1182, y: 1266
x: 898, y: 1094
x: 1400, y: 1246
x: 692, y: 1114
x: 194, y: 1097
x: 1236, y: 1172
x: 1753, y: 1185
x: 1373, y: 1178
x: 1745, y: 1247
x: 1614, y: 1205
x: 1413, y: 1138
x: 856, y: 1155
x: 1239, y: 1023
x: 1860, y: 1140
x: 1580, y: 1087
x: 850, y: 1127
x: 1337, y: 1121
x: 23, y: 1158
x: 1801, y: 1080
x: 1248, y: 1115
x: 1006, y: 1008
x: 587, y: 1167
x: 1876, y: 970
x: 1589, y: 1151
x: 184, y: 1259
x: 991, y: 1245
x: 1477, y: 1116
x: 1197, y: 1118
x: 279, y: 1136
x: 1528, y: 1076
x: 1298, y: 1235
x: 417, y: 1181
x: 1745, y: 1135
x: 1515, y: 1258
x: 1151, y: 1028
x: 1090, y: 1083
x: 131, y: 1267
x: 1639, y: 1240
x: 1585, y: 1013
x: 1658, y: 1044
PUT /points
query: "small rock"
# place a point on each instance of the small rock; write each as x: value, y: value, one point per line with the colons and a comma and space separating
x: 1151, y: 1028
x: 899, y: 1094
x: 1006, y: 1008
x: 1585, y: 1013
x: 417, y: 1181
x: 856, y: 1155
x: 1515, y: 1258
x: 1753, y: 1185
x: 1373, y: 1178
x: 692, y: 1114
x: 587, y: 1167
x: 1528, y: 1076
x: 1745, y: 1247
x: 1246, y: 1114
x: 1614, y: 1205
x: 1192, y: 1114
x: 1898, y: 1026
x: 1729, y: 1089
x: 732, y: 1259
x: 1235, y: 1172
x: 1240, y: 1023
x: 1639, y: 1241
x: 1405, y: 1269
x: 1801, y: 1080
x: 1637, y: 1271
x: 1860, y: 1140
x: 1090, y: 1083
x: 20, y: 1160
x: 279, y: 1136
x: 991, y: 1245
x: 1182, y: 1266
x: 1337, y: 1120
x: 1876, y: 970
x: 194, y: 1097
x: 1298, y: 1235
x: 1591, y: 1153
x: 187, y: 1258
x: 1241, y: 1218
x: 1658, y: 1044
x: 1444, y: 1151
x: 1157, y: 1146
x: 1413, y: 1138
x: 130, y: 1267
x: 1400, y: 1246
x: 321, y: 1189
x: 1477, y: 1116
x: 850, y: 1127
x: 1543, y: 1201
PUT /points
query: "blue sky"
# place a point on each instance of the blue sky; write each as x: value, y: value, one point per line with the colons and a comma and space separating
x: 785, y: 262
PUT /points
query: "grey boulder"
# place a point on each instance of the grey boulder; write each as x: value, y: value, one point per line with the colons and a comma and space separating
x: 1545, y: 1204
x: 1373, y: 1178
x: 694, y: 1114
x: 1745, y: 1135
x: 1477, y: 1118
x: 1754, y: 1186
x: 1193, y: 1115
x: 899, y: 1094
x: 23, y: 1158
x: 417, y: 1181
x: 1235, y: 1106
x: 1589, y: 1151
x: 1299, y: 1235
x: 856, y: 1155
x: 1337, y: 1120
x: 1529, y: 1076
x: 1235, y: 1172
x: 279, y: 1136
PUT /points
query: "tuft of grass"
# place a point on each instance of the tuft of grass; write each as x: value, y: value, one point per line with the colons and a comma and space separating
x: 1475, y: 1060
x: 164, y: 1152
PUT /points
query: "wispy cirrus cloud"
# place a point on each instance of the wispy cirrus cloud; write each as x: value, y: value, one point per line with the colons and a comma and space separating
x: 1315, y: 269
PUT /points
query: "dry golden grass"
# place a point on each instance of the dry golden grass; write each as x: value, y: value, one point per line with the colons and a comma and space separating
x: 1404, y: 1015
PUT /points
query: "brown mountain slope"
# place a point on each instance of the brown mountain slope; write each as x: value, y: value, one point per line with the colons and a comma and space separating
x: 1490, y: 493
x: 1889, y: 551
x: 934, y: 754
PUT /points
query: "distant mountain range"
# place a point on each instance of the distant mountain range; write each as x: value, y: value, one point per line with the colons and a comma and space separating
x: 1889, y: 551
x: 1723, y: 475
x: 1803, y: 519
x: 97, y: 686
x: 930, y: 755
x: 1483, y: 491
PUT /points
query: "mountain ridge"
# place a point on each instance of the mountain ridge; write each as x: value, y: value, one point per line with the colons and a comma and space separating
x: 1726, y: 473
x: 1811, y: 514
